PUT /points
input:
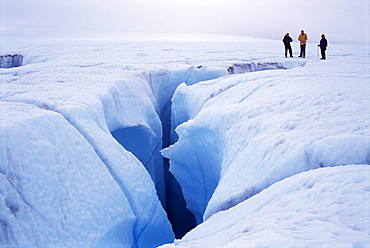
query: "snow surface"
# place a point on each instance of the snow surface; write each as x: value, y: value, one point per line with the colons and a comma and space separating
x: 242, y: 133
x: 327, y: 207
x: 83, y: 123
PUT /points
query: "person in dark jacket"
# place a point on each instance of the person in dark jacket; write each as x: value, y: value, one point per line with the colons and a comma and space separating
x: 286, y: 40
x: 323, y: 44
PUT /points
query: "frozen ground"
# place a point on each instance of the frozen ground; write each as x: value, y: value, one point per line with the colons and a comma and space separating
x: 240, y: 134
x: 83, y: 123
x: 327, y: 207
x: 247, y: 131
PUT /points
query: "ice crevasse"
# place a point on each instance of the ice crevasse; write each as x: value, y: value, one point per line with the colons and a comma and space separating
x: 240, y: 134
x: 80, y: 162
x: 71, y: 174
x: 65, y: 180
x: 325, y: 207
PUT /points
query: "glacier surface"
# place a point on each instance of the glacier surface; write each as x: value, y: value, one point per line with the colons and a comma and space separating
x: 83, y: 124
x: 242, y: 133
x: 327, y: 207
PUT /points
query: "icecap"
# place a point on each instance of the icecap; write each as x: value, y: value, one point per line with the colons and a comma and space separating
x: 82, y: 124
x: 55, y: 190
x: 240, y: 134
x: 73, y: 184
x: 66, y: 180
x: 69, y: 118
x: 327, y: 207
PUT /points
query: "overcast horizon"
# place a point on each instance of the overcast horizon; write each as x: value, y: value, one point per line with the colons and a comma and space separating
x: 342, y: 21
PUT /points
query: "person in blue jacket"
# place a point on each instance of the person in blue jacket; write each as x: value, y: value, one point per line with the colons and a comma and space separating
x: 286, y: 40
x: 323, y: 44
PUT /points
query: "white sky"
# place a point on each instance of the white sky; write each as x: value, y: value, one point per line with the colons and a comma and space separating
x: 342, y: 21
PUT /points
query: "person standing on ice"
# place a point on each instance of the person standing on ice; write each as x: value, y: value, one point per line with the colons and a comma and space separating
x: 286, y: 40
x: 323, y: 44
x: 303, y: 40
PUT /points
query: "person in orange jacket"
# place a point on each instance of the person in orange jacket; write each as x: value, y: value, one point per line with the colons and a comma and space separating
x: 303, y: 38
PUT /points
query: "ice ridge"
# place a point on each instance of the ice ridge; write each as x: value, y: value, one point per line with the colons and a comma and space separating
x: 9, y: 61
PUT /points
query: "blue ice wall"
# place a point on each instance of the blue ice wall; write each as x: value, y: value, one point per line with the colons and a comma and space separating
x: 9, y: 61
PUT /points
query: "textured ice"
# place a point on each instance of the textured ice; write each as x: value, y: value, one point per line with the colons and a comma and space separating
x: 241, y: 133
x: 68, y: 181
x: 327, y: 207
x: 55, y: 190
x: 81, y: 127
x: 9, y: 60
x: 111, y: 98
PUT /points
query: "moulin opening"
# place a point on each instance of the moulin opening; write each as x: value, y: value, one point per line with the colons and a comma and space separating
x: 181, y: 219
x: 142, y: 143
x: 139, y: 140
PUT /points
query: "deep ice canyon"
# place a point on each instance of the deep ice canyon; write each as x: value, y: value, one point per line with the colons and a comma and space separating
x: 140, y: 141
x: 93, y: 193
